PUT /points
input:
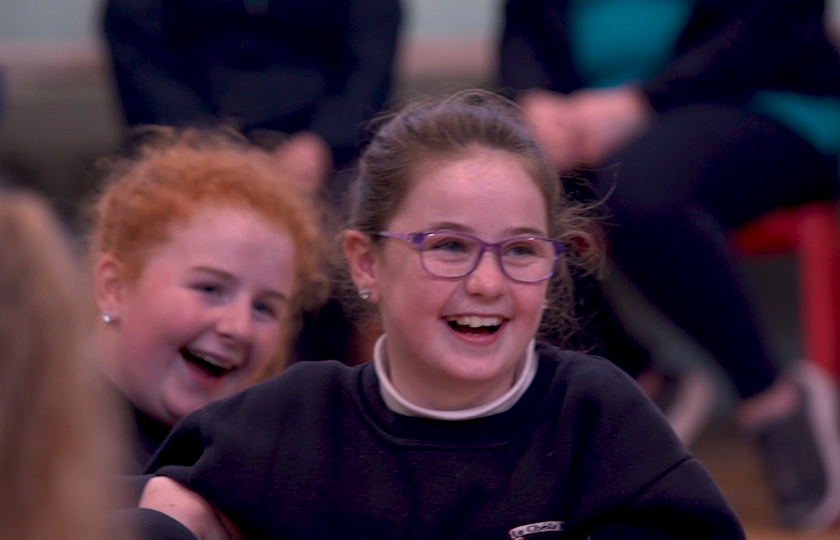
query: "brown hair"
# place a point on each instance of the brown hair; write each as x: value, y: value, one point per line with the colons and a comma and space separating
x: 54, y: 434
x: 449, y: 128
x: 173, y: 173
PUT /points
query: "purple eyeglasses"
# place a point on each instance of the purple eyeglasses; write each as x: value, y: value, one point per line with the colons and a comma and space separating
x: 447, y: 254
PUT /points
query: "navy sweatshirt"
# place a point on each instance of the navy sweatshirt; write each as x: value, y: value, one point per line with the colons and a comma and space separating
x: 314, y: 453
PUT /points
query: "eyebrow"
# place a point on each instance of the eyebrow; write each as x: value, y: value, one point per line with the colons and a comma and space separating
x: 227, y: 276
x: 451, y: 226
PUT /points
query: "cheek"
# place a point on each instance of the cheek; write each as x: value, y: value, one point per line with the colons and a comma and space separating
x: 158, y: 329
x: 529, y: 302
x: 160, y: 308
x: 268, y: 343
x: 143, y: 333
x: 148, y: 357
x: 420, y: 300
x: 409, y: 297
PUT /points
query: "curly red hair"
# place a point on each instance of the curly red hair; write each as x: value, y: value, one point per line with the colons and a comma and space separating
x: 173, y: 174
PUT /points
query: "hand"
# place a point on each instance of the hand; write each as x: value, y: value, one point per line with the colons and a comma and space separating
x: 553, y: 127
x: 607, y: 119
x: 192, y: 510
x: 307, y: 158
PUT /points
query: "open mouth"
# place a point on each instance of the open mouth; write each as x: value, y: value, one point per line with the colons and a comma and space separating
x: 206, y: 364
x: 475, y: 325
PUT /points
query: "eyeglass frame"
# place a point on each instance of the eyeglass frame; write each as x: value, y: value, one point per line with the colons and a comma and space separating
x: 416, y: 239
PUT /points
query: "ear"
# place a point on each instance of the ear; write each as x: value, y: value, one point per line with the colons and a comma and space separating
x: 108, y: 285
x: 358, y: 248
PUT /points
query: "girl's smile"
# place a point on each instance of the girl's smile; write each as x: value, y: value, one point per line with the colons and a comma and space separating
x: 457, y: 342
x: 205, y: 316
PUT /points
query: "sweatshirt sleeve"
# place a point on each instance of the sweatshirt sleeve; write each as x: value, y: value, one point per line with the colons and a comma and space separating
x: 228, y: 448
x: 371, y: 41
x: 232, y: 451
x: 732, y: 47
x: 633, y: 478
x: 145, y: 524
x: 222, y: 452
x: 683, y: 503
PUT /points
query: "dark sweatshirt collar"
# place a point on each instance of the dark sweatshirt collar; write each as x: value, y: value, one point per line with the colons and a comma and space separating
x: 496, y: 430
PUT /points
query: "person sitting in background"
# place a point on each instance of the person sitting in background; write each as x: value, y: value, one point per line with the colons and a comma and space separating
x: 314, y: 70
x: 713, y: 113
x: 54, y: 435
x: 202, y: 257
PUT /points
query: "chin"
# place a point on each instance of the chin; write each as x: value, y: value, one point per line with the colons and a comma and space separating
x: 478, y: 370
x: 185, y: 406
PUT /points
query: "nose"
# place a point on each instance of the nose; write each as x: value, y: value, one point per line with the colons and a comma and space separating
x: 487, y: 279
x: 235, y: 322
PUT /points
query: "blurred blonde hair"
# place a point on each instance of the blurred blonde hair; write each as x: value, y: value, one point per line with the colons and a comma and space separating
x: 53, y: 442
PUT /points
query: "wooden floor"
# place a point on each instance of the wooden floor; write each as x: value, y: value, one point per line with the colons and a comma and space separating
x: 734, y: 463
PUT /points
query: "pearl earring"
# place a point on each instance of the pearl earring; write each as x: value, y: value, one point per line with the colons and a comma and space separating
x: 107, y: 318
x: 364, y: 293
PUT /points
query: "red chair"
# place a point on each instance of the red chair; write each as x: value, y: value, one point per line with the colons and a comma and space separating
x: 812, y: 231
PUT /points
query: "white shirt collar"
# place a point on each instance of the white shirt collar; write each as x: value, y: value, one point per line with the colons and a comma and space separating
x: 398, y: 404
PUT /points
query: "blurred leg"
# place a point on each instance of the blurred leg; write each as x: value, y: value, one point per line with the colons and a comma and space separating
x: 601, y: 332
x: 695, y: 173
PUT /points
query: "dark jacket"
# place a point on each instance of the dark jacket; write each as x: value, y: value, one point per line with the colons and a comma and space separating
x: 321, y: 65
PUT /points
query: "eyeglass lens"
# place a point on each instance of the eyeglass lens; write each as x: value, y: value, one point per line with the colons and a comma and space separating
x: 455, y: 255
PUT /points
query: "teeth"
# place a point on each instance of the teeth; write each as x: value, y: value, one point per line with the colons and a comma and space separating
x: 474, y: 321
x: 210, y: 360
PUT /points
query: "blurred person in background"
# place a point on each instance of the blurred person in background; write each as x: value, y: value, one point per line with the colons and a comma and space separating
x: 55, y: 436
x: 714, y: 112
x: 313, y: 70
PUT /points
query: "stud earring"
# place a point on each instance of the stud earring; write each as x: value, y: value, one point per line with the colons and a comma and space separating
x: 545, y: 304
x: 107, y: 318
x: 364, y: 293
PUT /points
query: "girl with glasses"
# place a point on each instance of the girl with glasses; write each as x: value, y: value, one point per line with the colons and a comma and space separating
x: 463, y: 426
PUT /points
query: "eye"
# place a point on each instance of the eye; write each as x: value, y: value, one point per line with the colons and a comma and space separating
x: 522, y: 248
x: 451, y: 244
x: 209, y: 288
x: 266, y: 309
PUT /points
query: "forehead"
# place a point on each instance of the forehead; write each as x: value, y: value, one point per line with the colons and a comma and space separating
x: 486, y: 189
x: 236, y: 241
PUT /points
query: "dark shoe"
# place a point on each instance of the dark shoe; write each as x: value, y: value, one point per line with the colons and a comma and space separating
x: 802, y: 453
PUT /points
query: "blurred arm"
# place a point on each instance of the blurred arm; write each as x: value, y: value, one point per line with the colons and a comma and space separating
x: 534, y: 50
x: 732, y: 47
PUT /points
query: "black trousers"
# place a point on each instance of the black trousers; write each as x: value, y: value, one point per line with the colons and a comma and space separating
x: 675, y: 191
